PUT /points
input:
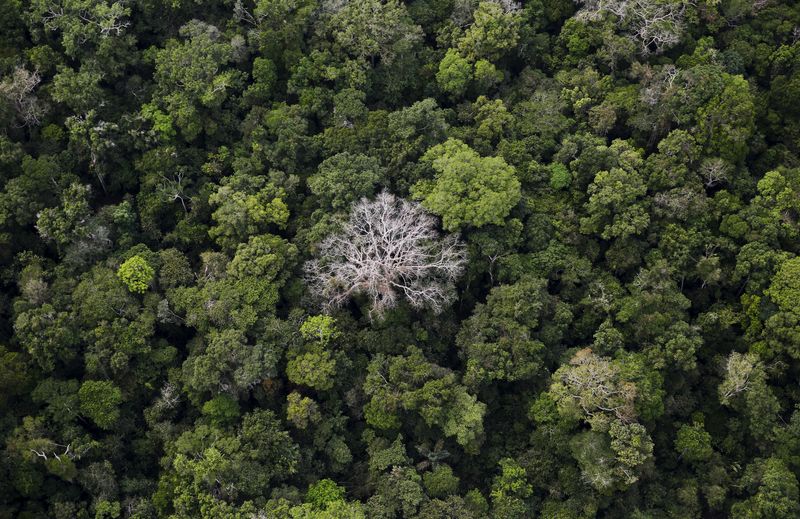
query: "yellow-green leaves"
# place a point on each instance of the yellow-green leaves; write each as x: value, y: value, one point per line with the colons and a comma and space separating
x: 137, y: 274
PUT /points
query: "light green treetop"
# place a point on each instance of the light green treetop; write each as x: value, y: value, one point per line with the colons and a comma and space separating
x: 467, y: 190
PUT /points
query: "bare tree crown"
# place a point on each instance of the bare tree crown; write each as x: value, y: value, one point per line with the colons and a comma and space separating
x: 656, y: 25
x: 389, y: 248
x: 18, y: 89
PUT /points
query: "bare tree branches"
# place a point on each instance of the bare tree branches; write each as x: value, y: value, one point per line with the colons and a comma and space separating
x: 739, y: 371
x: 714, y: 171
x: 388, y: 249
x: 18, y: 89
x: 109, y: 20
x: 173, y: 188
x: 594, y: 383
x: 48, y: 449
x: 657, y: 25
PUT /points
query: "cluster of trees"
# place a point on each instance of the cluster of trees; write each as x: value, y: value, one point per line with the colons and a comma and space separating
x: 380, y: 259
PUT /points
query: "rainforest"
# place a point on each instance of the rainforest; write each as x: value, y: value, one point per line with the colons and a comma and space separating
x: 419, y: 259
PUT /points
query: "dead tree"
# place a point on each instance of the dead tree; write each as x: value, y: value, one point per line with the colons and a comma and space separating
x: 17, y: 89
x: 655, y: 25
x: 714, y: 171
x: 739, y: 372
x: 389, y: 248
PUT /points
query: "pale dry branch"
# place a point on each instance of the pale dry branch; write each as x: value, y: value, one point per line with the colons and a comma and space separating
x: 18, y: 89
x: 656, y: 25
x: 738, y: 372
x: 388, y: 249
x: 714, y: 171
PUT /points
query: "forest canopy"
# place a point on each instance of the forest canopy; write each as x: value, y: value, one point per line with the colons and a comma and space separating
x: 328, y: 259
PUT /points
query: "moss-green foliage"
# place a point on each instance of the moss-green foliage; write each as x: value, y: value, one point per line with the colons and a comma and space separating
x: 221, y: 410
x: 440, y: 481
x: 100, y: 400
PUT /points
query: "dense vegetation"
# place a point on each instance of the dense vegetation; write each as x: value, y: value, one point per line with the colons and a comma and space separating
x: 381, y: 259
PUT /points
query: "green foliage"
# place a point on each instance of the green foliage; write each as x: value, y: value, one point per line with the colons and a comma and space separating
x: 502, y: 341
x: 100, y: 400
x: 265, y: 75
x: 64, y: 224
x: 509, y: 490
x: 243, y: 463
x: 302, y: 411
x: 559, y: 176
x: 136, y: 273
x: 611, y: 463
x: 13, y: 375
x: 440, y: 481
x: 412, y: 383
x: 454, y: 74
x: 246, y: 207
x: 221, y: 410
x: 777, y: 492
x: 785, y: 287
x: 374, y: 30
x: 468, y: 190
x: 189, y: 77
x: 493, y: 32
x: 314, y: 364
x: 693, y: 443
x: 46, y: 334
x: 726, y: 122
x: 345, y: 178
x: 264, y: 257
x: 174, y: 270
x: 227, y: 359
x: 591, y: 388
x: 615, y: 208
x: 323, y: 493
x: 313, y: 369
x: 320, y: 329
